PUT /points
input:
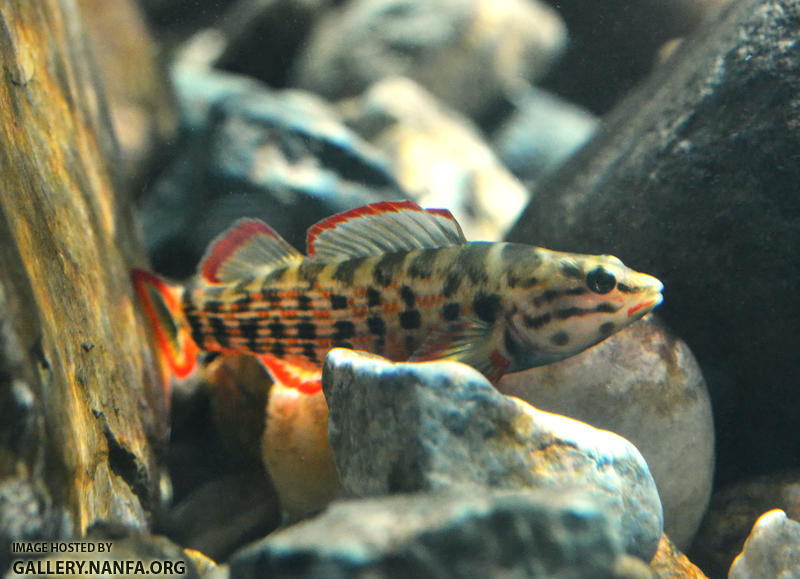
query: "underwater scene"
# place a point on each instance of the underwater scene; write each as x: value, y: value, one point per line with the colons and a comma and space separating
x: 400, y: 288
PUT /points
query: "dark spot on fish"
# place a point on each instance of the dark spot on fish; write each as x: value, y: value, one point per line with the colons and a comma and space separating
x: 548, y: 296
x: 519, y: 261
x: 510, y: 343
x: 338, y: 302
x: 309, y: 270
x: 410, y: 320
x: 451, y: 311
x: 343, y: 344
x: 303, y: 302
x: 272, y: 296
x: 576, y: 291
x: 626, y: 289
x: 408, y: 297
x: 249, y: 329
x: 452, y: 283
x: 344, y: 330
x: 607, y: 308
x: 309, y: 351
x: 486, y: 307
x: 535, y: 322
x: 421, y: 266
x: 472, y: 261
x: 277, y: 330
x: 607, y: 328
x: 376, y: 325
x: 345, y: 272
x: 559, y: 339
x: 387, y: 268
x: 277, y: 349
x: 213, y: 306
x: 243, y: 302
x: 87, y: 346
x: 218, y: 330
x: 570, y: 269
x: 196, y: 327
x: 306, y: 331
x: 373, y: 297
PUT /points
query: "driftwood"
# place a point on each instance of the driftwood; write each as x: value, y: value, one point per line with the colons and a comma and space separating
x: 82, y: 402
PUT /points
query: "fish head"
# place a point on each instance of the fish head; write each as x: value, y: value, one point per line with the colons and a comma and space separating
x: 580, y: 300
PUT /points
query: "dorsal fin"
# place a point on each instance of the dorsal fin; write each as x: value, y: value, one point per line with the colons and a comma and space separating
x: 382, y: 228
x: 249, y: 248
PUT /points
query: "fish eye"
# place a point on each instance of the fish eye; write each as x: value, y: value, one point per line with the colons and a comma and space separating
x: 600, y: 280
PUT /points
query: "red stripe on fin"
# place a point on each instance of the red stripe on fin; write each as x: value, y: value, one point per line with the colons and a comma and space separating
x: 162, y: 305
x: 249, y: 248
x: 388, y: 226
x: 298, y: 373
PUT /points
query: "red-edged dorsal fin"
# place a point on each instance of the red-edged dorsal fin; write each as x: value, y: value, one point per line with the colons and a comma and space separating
x: 298, y: 373
x: 388, y: 226
x: 249, y: 248
x: 162, y: 305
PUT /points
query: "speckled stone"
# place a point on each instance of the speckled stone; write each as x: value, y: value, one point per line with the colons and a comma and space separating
x: 440, y: 425
x: 644, y: 384
x: 771, y: 550
x: 466, y: 52
x: 540, y: 534
x: 439, y: 155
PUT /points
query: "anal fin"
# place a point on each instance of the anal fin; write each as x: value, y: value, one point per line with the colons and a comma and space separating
x: 467, y: 341
x: 298, y: 373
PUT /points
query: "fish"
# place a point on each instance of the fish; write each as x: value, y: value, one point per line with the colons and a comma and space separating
x: 393, y: 279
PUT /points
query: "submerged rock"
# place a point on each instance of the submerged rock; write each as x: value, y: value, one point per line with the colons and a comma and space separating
x: 544, y: 533
x: 440, y: 425
x: 438, y: 155
x: 771, y: 550
x: 466, y: 52
x: 689, y: 181
x: 644, y: 384
x: 670, y: 563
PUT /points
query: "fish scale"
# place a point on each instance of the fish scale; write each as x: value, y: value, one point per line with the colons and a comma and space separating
x: 397, y: 280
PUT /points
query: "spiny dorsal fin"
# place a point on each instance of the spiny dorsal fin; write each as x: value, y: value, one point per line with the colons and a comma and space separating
x: 249, y: 248
x: 383, y: 228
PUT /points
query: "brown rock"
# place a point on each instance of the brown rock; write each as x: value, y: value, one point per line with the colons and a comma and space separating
x: 670, y: 563
x: 78, y: 381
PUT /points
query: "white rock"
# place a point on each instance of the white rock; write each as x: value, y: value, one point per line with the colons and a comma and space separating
x: 771, y: 550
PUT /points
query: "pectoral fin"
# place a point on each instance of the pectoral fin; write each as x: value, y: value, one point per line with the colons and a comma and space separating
x: 467, y: 341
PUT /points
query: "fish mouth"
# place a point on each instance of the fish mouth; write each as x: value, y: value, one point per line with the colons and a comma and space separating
x: 652, y: 298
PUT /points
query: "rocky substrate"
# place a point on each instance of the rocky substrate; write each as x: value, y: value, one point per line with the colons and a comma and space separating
x: 603, y: 465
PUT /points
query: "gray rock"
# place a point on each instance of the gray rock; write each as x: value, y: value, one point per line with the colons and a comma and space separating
x: 439, y: 155
x: 466, y: 52
x: 644, y: 384
x: 282, y: 156
x: 440, y: 425
x: 771, y: 550
x: 541, y: 133
x: 510, y: 534
x: 690, y: 181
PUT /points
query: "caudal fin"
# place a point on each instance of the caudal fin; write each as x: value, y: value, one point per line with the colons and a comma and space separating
x: 162, y: 304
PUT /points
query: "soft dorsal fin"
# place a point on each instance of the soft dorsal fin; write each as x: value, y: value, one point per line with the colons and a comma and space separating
x: 383, y: 228
x: 249, y: 248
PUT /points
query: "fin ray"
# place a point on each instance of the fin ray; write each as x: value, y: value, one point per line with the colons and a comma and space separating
x: 249, y: 248
x: 383, y: 228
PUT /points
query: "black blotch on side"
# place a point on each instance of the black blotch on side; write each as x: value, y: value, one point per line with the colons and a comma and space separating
x: 546, y: 297
x: 306, y: 331
x: 451, y: 283
x: 277, y: 330
x: 565, y: 313
x: 243, y: 302
x: 519, y: 262
x: 387, y: 268
x: 559, y: 339
x: 410, y: 320
x: 472, y: 261
x: 219, y: 331
x: 569, y: 269
x: 309, y: 351
x: 451, y: 311
x: 607, y: 308
x: 338, y: 302
x: 421, y: 266
x: 486, y: 307
x: 303, y: 302
x: 376, y: 325
x: 345, y: 272
x: 249, y: 329
x: 343, y: 330
x: 576, y: 291
x: 213, y: 306
x: 408, y: 297
x: 309, y: 270
x: 373, y: 298
x: 277, y: 349
x: 272, y: 296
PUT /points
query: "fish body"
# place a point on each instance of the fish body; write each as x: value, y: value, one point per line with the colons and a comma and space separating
x: 395, y: 280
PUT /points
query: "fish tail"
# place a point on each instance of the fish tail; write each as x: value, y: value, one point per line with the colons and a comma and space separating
x: 162, y: 305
